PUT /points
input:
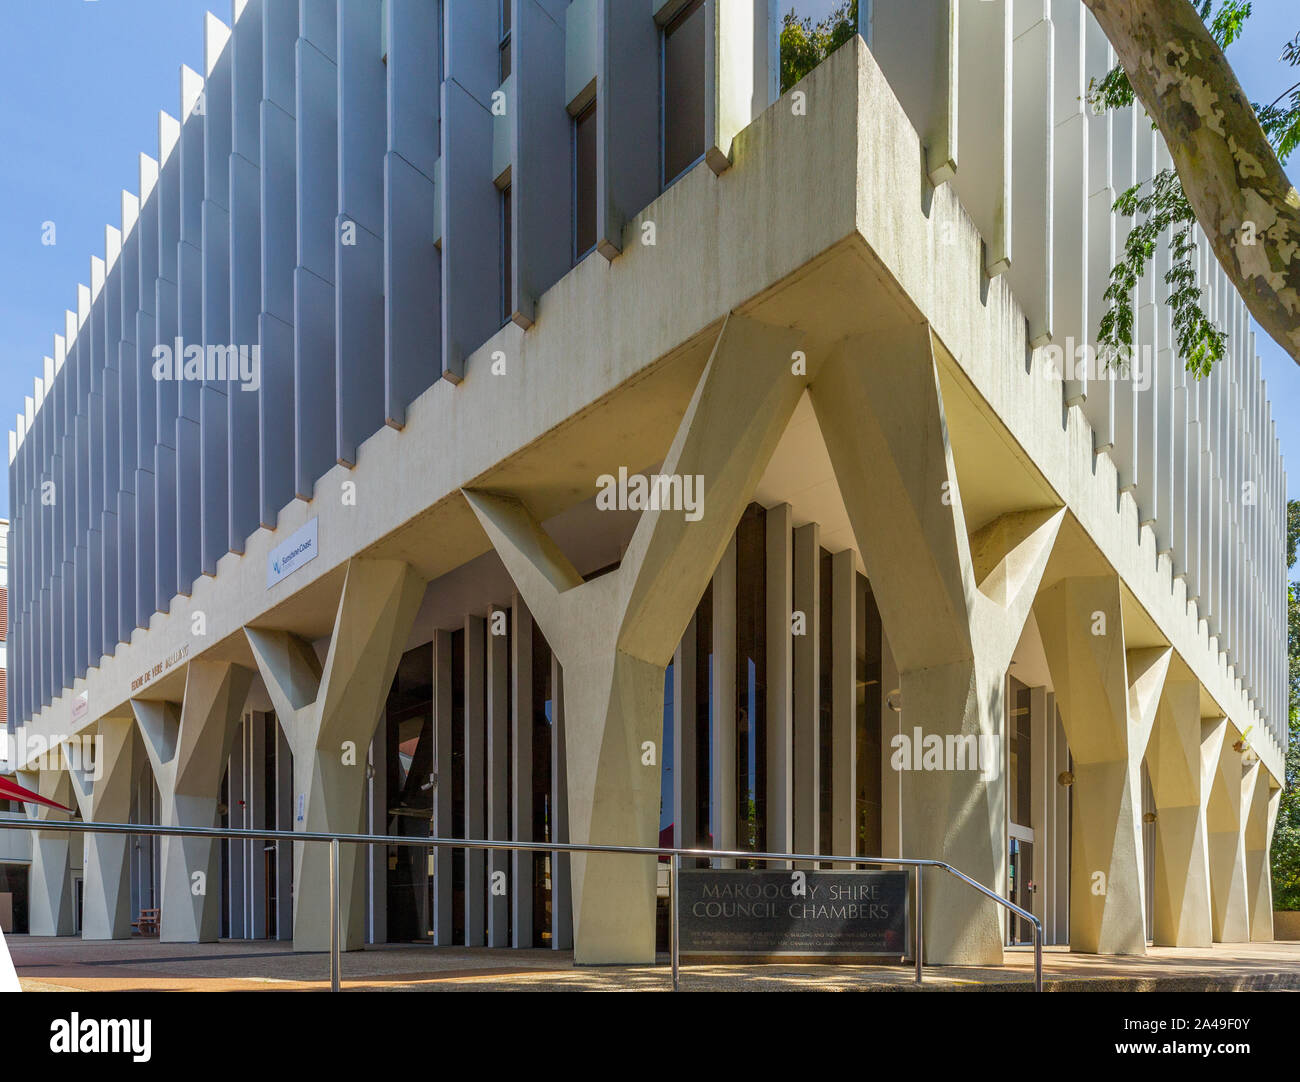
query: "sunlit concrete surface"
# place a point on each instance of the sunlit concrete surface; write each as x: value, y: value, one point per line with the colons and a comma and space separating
x: 65, y: 965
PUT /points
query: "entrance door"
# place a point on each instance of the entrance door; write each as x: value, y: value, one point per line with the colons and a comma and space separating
x: 1020, y: 884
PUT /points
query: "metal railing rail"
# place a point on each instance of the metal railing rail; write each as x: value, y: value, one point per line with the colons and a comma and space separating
x: 335, y: 840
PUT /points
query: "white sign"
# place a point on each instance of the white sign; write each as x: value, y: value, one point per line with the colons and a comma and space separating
x: 81, y: 706
x: 289, y: 555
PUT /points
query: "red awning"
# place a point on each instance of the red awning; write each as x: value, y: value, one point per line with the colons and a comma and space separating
x: 11, y: 790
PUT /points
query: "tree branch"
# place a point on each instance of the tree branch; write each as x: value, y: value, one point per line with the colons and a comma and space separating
x: 1228, y: 170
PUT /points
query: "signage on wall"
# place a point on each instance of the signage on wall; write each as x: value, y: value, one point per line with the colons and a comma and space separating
x: 292, y: 553
x: 781, y: 914
x: 80, y: 707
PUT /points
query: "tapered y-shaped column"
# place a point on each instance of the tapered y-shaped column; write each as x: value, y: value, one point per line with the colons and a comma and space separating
x: 953, y: 607
x: 1259, y: 803
x: 1224, y: 826
x: 1108, y: 697
x: 1181, y: 887
x: 329, y: 713
x: 49, y: 889
x: 615, y: 635
x: 188, y: 746
x: 101, y: 783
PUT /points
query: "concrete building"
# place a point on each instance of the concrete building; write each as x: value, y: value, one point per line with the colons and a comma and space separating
x: 526, y: 422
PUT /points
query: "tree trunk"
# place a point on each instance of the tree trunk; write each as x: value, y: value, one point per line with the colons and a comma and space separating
x: 1233, y: 180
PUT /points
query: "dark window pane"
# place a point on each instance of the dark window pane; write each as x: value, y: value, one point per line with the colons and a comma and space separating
x: 507, y: 270
x: 584, y: 174
x: 684, y: 90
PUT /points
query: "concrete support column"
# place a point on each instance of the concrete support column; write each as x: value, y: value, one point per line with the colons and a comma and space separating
x: 329, y: 713
x: 1181, y: 888
x: 615, y: 635
x: 1231, y: 918
x: 257, y: 817
x: 521, y: 721
x: 844, y: 705
x: 779, y: 819
x: 475, y: 745
x: 722, y: 769
x: 562, y: 899
x: 238, y: 818
x: 1259, y: 801
x: 807, y: 688
x: 284, y: 807
x: 685, y: 767
x: 1108, y: 697
x: 377, y: 855
x: 952, y: 605
x: 102, y: 789
x: 188, y: 747
x: 498, y: 775
x: 443, y: 722
x: 49, y: 890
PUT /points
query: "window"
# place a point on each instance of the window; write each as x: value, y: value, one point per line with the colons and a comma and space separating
x: 584, y: 182
x: 503, y: 45
x: 507, y: 269
x: 683, y: 91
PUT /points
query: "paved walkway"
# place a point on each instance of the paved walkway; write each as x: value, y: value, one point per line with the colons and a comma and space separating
x: 70, y: 964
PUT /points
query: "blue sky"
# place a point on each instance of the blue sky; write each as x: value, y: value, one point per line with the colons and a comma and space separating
x: 81, y: 83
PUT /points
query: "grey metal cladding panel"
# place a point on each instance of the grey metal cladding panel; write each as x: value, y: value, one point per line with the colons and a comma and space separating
x: 216, y: 276
x: 627, y: 118
x: 81, y: 459
x: 245, y: 303
x: 218, y: 130
x: 414, y: 65
x: 95, y: 459
x: 111, y: 462
x: 189, y: 294
x: 275, y: 419
x: 146, y: 556
x: 112, y: 298
x: 216, y: 272
x: 279, y: 34
x: 246, y: 81
x: 189, y: 504
x: 129, y: 284
x: 146, y: 229
x: 313, y: 381
x: 164, y: 527
x: 279, y: 200
x: 470, y: 53
x: 146, y: 391
x: 317, y: 147
x: 542, y: 175
x: 168, y: 197
x: 471, y: 233
x: 94, y: 597
x: 412, y: 288
x: 359, y: 335
x: 125, y: 565
x: 108, y: 624
x: 166, y: 390
x: 214, y: 459
x: 244, y: 244
x: 318, y: 23
x: 190, y: 149
x: 80, y: 651
x: 362, y: 125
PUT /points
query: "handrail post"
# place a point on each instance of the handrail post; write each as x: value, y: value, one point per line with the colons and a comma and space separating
x: 1038, y: 957
x: 674, y: 900
x: 335, y: 961
x: 920, y: 919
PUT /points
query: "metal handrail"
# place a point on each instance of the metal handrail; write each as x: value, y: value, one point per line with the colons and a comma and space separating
x: 334, y: 840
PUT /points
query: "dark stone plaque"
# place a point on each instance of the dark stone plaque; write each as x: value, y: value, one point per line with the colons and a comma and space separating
x: 793, y: 914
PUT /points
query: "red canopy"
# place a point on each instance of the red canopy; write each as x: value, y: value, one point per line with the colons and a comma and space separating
x: 11, y: 790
